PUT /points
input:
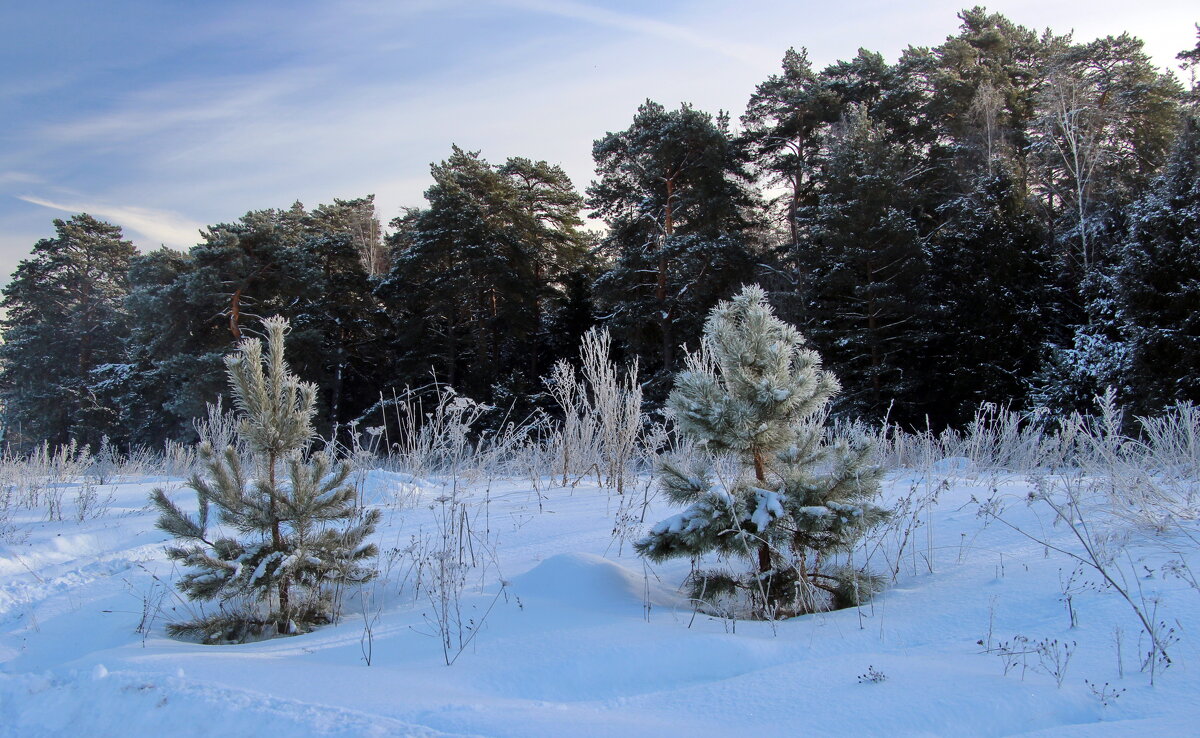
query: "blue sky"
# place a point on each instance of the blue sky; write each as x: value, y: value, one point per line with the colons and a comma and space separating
x: 164, y: 116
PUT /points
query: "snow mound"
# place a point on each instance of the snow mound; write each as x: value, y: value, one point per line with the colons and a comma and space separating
x: 385, y: 487
x: 953, y: 465
x: 587, y: 581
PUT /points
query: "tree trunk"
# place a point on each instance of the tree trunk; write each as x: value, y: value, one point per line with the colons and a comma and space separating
x: 764, y: 551
x: 235, y: 313
x: 793, y: 209
x: 764, y: 558
x: 277, y: 542
x: 664, y: 320
x: 873, y: 339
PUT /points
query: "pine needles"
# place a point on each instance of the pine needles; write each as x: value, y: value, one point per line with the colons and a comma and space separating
x: 298, y: 534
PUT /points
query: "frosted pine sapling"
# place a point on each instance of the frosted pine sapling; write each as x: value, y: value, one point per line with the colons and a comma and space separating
x: 755, y: 396
x: 301, y: 533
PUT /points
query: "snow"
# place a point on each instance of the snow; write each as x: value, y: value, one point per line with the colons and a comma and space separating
x: 953, y: 465
x: 261, y: 570
x: 690, y: 520
x: 768, y: 506
x: 573, y: 635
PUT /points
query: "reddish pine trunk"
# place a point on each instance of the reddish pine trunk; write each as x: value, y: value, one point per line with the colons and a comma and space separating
x: 764, y: 551
x: 235, y: 313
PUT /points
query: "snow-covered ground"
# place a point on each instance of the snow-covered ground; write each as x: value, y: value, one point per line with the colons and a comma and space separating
x: 568, y: 633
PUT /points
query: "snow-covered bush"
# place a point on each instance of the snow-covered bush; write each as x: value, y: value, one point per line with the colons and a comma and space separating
x: 302, y: 536
x: 576, y: 441
x: 766, y: 485
x: 434, y: 432
x: 602, y: 413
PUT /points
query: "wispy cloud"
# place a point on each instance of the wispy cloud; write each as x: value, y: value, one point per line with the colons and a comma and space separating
x: 747, y: 53
x: 175, y: 106
x: 155, y: 227
x: 14, y: 177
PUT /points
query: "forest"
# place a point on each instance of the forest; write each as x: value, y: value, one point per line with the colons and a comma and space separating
x: 1011, y: 217
x: 872, y: 410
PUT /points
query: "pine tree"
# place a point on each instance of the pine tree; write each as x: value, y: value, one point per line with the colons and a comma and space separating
x: 300, y: 536
x: 984, y: 93
x: 675, y: 192
x: 152, y: 386
x: 1189, y: 62
x: 188, y: 311
x: 865, y: 266
x: 1159, y: 282
x: 64, y: 318
x: 755, y: 396
x: 783, y: 122
x: 474, y: 273
x: 988, y: 287
x: 338, y: 323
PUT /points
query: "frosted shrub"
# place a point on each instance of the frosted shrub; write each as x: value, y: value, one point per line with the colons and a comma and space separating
x: 8, y: 531
x: 578, y: 438
x: 178, y: 459
x: 1151, y: 481
x: 219, y: 427
x: 91, y: 502
x: 434, y: 430
x: 616, y: 405
x: 1173, y: 440
x: 602, y: 413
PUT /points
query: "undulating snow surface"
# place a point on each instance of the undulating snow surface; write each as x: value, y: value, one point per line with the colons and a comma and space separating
x: 568, y: 634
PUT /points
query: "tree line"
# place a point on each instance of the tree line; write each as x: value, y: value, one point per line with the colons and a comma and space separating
x: 1012, y: 216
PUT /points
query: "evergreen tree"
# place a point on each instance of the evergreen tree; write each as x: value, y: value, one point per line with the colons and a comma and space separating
x: 1106, y: 117
x: 984, y: 86
x: 991, y: 294
x: 783, y: 122
x: 476, y: 275
x: 1189, y: 62
x: 674, y: 190
x: 189, y: 309
x: 277, y: 577
x: 1159, y: 282
x: 755, y: 395
x: 339, y: 327
x: 64, y: 318
x: 990, y: 302
x: 153, y: 387
x: 356, y: 221
x: 865, y: 268
x: 892, y: 95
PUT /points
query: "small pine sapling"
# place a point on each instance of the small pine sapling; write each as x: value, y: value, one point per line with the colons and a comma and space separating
x: 300, y: 536
x: 753, y: 398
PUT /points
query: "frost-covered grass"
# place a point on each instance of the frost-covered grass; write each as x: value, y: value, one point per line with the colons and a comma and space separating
x: 994, y: 622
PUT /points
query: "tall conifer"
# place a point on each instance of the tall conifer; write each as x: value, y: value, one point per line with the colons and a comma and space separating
x: 1159, y: 282
x: 64, y: 318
